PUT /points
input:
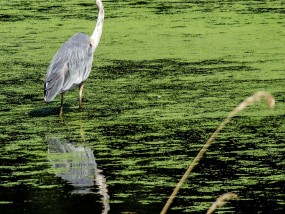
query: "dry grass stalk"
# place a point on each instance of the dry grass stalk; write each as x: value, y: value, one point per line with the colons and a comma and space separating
x: 247, y: 102
x: 221, y: 201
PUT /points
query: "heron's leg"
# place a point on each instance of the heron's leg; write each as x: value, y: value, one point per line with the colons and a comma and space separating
x: 61, y: 105
x: 80, y: 95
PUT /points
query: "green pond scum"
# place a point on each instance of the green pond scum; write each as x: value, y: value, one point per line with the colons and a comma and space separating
x: 165, y: 75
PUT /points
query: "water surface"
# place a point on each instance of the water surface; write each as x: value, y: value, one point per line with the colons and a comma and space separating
x: 164, y: 76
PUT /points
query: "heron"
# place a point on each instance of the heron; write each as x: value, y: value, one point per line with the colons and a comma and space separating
x: 71, y: 65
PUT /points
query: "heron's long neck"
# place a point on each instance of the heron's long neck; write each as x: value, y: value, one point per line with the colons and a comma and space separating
x: 95, y: 38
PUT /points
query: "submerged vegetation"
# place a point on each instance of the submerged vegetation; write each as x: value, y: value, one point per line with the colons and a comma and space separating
x: 164, y: 77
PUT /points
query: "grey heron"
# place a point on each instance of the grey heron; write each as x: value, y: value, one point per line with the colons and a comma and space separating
x: 72, y: 63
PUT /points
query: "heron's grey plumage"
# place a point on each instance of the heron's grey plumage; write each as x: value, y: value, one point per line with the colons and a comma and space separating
x: 70, y: 66
x: 72, y: 63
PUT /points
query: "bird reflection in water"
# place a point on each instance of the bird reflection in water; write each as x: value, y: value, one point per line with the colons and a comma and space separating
x: 76, y: 164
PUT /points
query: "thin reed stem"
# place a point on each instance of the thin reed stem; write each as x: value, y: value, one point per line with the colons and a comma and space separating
x: 221, y: 201
x: 248, y: 101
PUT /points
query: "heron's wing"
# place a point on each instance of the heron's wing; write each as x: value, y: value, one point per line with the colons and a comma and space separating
x: 54, y: 85
x: 70, y: 66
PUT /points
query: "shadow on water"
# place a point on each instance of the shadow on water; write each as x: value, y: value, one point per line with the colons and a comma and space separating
x: 45, y: 112
x: 164, y: 67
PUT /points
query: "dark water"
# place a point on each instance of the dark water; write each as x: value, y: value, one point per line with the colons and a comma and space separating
x: 165, y: 76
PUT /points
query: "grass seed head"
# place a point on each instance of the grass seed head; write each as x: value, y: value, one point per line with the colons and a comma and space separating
x: 221, y: 201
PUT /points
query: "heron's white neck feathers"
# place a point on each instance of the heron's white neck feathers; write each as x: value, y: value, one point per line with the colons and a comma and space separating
x: 96, y: 36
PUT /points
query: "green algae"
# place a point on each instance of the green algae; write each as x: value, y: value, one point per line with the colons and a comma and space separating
x: 164, y: 76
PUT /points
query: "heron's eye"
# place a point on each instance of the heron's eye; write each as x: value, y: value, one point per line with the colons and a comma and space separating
x: 90, y: 45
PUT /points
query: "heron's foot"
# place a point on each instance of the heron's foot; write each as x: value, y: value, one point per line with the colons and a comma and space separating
x: 80, y: 109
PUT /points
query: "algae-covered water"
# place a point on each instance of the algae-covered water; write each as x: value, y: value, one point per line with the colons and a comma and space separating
x: 165, y: 74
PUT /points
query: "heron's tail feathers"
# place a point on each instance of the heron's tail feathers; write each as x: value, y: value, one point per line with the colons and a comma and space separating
x: 53, y: 88
x: 48, y: 98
